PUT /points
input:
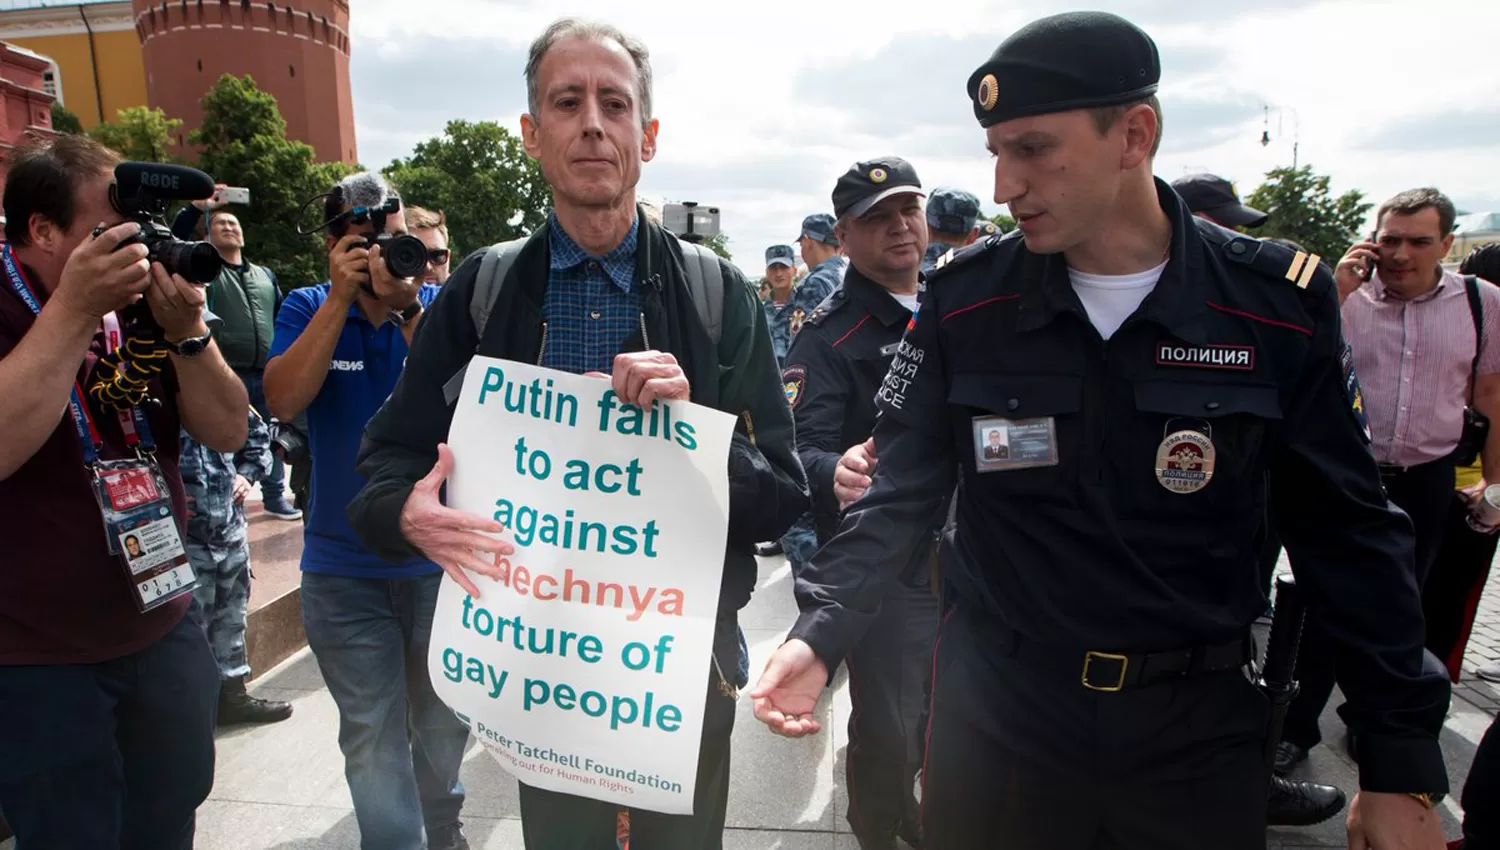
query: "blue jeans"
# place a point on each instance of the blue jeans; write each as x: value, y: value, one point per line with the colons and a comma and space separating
x: 402, y: 746
x: 113, y: 755
x: 273, y: 486
x: 800, y: 543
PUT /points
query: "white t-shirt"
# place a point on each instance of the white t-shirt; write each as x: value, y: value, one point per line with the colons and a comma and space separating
x: 907, y: 301
x: 1110, y: 299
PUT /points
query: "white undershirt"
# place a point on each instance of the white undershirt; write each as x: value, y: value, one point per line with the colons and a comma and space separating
x: 907, y: 301
x: 1110, y: 299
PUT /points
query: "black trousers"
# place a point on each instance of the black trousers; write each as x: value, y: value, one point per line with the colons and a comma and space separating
x: 889, y: 671
x: 1424, y: 493
x: 1026, y: 759
x: 117, y: 754
x: 1450, y: 597
x: 553, y: 821
x: 1481, y: 796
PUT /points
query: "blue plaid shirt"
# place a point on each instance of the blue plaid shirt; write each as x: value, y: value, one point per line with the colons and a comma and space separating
x: 592, y: 304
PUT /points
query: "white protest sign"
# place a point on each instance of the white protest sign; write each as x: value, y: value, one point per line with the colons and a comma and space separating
x: 584, y: 668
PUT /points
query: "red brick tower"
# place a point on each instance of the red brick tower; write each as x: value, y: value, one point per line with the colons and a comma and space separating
x: 296, y: 49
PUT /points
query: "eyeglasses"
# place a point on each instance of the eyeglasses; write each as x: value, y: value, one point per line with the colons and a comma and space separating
x: 437, y: 256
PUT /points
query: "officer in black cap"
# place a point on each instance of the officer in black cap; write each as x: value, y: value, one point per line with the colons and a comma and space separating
x: 1146, y: 369
x: 1212, y: 197
x: 835, y: 366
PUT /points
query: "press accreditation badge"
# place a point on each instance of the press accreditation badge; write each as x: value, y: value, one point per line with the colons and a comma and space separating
x: 1001, y: 445
x: 141, y: 530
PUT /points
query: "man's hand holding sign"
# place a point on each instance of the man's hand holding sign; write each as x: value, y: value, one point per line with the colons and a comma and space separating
x: 451, y: 538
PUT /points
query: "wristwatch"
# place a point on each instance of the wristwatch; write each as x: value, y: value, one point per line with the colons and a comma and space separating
x: 1429, y: 801
x: 404, y: 317
x: 190, y: 347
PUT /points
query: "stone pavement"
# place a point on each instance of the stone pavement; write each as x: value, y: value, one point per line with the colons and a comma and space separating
x: 281, y: 787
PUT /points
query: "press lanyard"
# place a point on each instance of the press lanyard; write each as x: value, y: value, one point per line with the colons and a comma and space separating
x: 137, y: 431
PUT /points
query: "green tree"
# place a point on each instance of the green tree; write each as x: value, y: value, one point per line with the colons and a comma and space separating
x: 65, y: 122
x: 719, y: 244
x: 480, y: 176
x: 139, y: 133
x: 1004, y: 222
x: 242, y: 142
x: 1303, y: 209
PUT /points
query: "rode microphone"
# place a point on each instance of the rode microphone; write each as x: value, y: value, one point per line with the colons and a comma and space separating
x: 148, y: 186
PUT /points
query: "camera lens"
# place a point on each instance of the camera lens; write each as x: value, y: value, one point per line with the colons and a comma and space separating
x: 405, y: 255
x: 198, y: 262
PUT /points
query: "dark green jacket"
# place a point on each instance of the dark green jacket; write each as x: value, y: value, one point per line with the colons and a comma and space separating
x: 767, y: 488
x: 246, y: 298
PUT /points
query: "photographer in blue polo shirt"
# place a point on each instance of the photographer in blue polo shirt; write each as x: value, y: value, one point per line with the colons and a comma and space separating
x: 339, y: 348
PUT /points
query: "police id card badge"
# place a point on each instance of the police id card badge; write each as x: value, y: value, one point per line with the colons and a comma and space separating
x: 1001, y: 445
x: 141, y: 530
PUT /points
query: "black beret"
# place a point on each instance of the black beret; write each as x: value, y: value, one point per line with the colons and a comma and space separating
x: 1076, y: 60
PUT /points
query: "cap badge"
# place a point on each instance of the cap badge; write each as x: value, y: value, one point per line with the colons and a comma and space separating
x: 989, y: 92
x: 877, y: 175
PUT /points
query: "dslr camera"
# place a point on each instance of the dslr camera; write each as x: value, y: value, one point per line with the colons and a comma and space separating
x: 404, y: 254
x: 365, y: 202
x: 141, y: 193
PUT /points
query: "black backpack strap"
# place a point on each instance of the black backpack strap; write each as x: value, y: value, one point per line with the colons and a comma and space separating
x: 1476, y: 312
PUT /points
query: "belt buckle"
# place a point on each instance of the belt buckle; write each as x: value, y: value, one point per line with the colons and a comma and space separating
x: 1090, y: 657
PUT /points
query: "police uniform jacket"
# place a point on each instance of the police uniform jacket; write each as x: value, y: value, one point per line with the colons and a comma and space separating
x: 833, y: 370
x: 1240, y: 343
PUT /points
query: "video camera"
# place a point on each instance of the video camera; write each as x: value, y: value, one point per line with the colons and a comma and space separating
x: 141, y: 192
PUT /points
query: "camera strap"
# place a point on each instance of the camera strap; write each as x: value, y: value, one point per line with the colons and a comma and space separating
x: 133, y: 423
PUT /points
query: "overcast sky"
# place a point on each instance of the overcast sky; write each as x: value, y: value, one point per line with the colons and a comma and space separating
x: 763, y: 103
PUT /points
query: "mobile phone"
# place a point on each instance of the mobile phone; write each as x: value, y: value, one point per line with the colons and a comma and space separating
x: 234, y: 195
x: 690, y: 218
x: 1369, y: 266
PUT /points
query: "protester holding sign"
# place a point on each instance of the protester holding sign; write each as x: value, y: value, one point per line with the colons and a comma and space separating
x: 598, y: 289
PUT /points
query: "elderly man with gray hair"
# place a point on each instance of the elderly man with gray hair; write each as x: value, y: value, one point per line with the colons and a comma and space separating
x: 610, y: 290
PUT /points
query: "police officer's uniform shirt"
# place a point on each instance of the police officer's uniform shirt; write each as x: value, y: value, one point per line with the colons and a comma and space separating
x: 1125, y: 540
x: 1110, y: 299
x: 833, y: 370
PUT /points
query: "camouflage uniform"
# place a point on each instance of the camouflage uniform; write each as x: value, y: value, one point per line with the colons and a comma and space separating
x: 950, y: 211
x: 217, y: 541
x: 787, y: 319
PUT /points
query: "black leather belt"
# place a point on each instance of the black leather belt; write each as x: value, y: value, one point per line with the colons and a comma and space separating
x: 1098, y: 670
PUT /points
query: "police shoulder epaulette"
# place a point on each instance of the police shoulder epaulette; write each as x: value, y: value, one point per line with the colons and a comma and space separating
x: 829, y: 304
x: 1268, y: 258
x: 958, y: 256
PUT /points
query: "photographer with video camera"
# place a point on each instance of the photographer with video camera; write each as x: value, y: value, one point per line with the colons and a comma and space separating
x: 339, y: 348
x: 107, y: 683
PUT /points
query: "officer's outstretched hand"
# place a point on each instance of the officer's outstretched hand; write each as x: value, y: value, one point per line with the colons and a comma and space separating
x: 1393, y: 822
x: 450, y: 538
x: 789, y: 690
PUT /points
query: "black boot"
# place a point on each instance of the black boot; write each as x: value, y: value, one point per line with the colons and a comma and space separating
x: 237, y: 706
x: 769, y: 550
x: 1301, y: 803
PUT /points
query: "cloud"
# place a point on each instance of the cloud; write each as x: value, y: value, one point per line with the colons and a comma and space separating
x: 407, y: 90
x: 1456, y: 129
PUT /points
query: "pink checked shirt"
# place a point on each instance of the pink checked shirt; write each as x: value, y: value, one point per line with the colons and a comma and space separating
x: 1413, y: 359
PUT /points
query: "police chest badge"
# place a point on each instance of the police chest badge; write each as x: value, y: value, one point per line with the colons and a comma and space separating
x: 794, y: 324
x: 1185, y: 461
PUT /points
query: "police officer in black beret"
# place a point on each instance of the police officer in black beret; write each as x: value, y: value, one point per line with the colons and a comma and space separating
x: 1146, y: 370
x: 833, y: 370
